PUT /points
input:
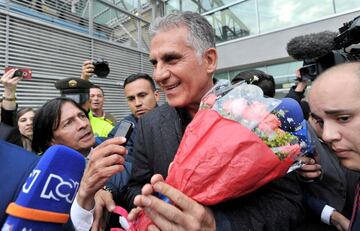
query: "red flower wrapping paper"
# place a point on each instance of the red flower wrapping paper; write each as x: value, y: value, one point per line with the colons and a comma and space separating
x: 219, y: 159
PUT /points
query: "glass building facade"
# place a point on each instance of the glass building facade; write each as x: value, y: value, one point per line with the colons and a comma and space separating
x: 235, y: 20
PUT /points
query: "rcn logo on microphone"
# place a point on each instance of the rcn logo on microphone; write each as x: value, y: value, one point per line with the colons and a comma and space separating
x: 56, y: 188
x: 31, y: 180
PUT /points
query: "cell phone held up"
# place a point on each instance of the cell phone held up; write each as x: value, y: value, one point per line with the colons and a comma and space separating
x: 20, y: 72
x: 125, y: 129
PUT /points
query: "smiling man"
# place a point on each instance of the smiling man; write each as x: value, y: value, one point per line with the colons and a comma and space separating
x: 338, y: 113
x: 184, y: 58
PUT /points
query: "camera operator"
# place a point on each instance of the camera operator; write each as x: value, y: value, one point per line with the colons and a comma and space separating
x: 297, y: 92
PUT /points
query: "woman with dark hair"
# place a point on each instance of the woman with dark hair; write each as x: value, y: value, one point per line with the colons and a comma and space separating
x: 22, y: 135
x: 24, y: 121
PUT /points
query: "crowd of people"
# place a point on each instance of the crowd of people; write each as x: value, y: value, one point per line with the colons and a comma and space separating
x: 322, y: 195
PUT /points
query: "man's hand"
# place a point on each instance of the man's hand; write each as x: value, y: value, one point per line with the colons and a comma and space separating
x: 87, y: 69
x: 302, y: 83
x: 339, y: 221
x: 186, y: 214
x: 104, y: 203
x: 10, y: 84
x: 105, y: 160
x: 310, y: 170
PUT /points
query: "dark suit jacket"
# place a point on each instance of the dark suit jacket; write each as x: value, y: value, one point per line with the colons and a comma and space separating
x: 276, y: 206
x: 16, y: 164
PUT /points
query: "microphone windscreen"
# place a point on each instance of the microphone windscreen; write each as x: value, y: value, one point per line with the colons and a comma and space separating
x: 311, y: 46
x: 45, y: 199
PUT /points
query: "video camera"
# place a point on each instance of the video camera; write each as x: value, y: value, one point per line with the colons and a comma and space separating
x: 323, y: 50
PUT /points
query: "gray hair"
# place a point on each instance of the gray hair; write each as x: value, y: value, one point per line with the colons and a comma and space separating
x: 201, y: 34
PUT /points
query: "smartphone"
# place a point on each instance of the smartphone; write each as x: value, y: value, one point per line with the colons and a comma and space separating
x: 20, y: 72
x: 125, y: 129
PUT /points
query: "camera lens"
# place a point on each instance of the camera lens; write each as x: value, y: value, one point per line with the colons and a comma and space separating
x: 101, y: 69
x: 18, y: 73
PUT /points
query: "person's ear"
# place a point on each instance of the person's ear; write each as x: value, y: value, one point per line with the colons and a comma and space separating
x: 210, y: 58
x: 157, y: 95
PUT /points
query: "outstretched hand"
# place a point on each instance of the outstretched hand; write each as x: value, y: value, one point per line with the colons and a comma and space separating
x: 186, y: 215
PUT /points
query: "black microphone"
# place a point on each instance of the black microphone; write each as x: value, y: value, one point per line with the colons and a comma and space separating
x: 311, y: 46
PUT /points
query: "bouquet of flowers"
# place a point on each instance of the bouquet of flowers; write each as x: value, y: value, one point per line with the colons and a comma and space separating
x: 233, y: 146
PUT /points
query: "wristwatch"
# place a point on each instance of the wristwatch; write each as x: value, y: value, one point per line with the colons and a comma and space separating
x: 9, y: 98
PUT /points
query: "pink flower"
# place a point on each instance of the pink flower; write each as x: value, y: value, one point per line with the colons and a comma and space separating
x: 269, y: 123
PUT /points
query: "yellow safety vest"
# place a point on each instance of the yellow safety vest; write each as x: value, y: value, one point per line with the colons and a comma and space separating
x: 100, y: 127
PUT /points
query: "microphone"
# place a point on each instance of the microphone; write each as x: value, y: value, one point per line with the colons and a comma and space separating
x: 311, y: 46
x: 292, y: 120
x: 45, y: 199
x: 291, y: 114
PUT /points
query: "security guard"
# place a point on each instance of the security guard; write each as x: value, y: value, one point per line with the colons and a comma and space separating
x: 78, y: 90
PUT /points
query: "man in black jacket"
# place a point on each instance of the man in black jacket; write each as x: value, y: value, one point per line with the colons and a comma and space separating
x: 339, y: 117
x: 184, y: 58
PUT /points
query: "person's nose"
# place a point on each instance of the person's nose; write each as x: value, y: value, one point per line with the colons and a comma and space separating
x: 161, y: 73
x: 330, y: 132
x: 29, y: 122
x: 138, y: 102
x: 82, y: 123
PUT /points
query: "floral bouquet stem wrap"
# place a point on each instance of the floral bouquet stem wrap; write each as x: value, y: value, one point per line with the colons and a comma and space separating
x: 232, y: 147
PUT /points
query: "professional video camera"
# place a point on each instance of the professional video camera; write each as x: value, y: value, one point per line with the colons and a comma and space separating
x: 320, y: 51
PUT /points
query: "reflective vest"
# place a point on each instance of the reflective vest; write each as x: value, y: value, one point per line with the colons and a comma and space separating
x: 100, y: 126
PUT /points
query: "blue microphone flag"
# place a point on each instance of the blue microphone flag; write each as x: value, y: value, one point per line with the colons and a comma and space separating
x: 46, y: 197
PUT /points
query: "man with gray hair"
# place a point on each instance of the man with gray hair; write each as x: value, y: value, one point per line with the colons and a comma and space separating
x: 184, y: 58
